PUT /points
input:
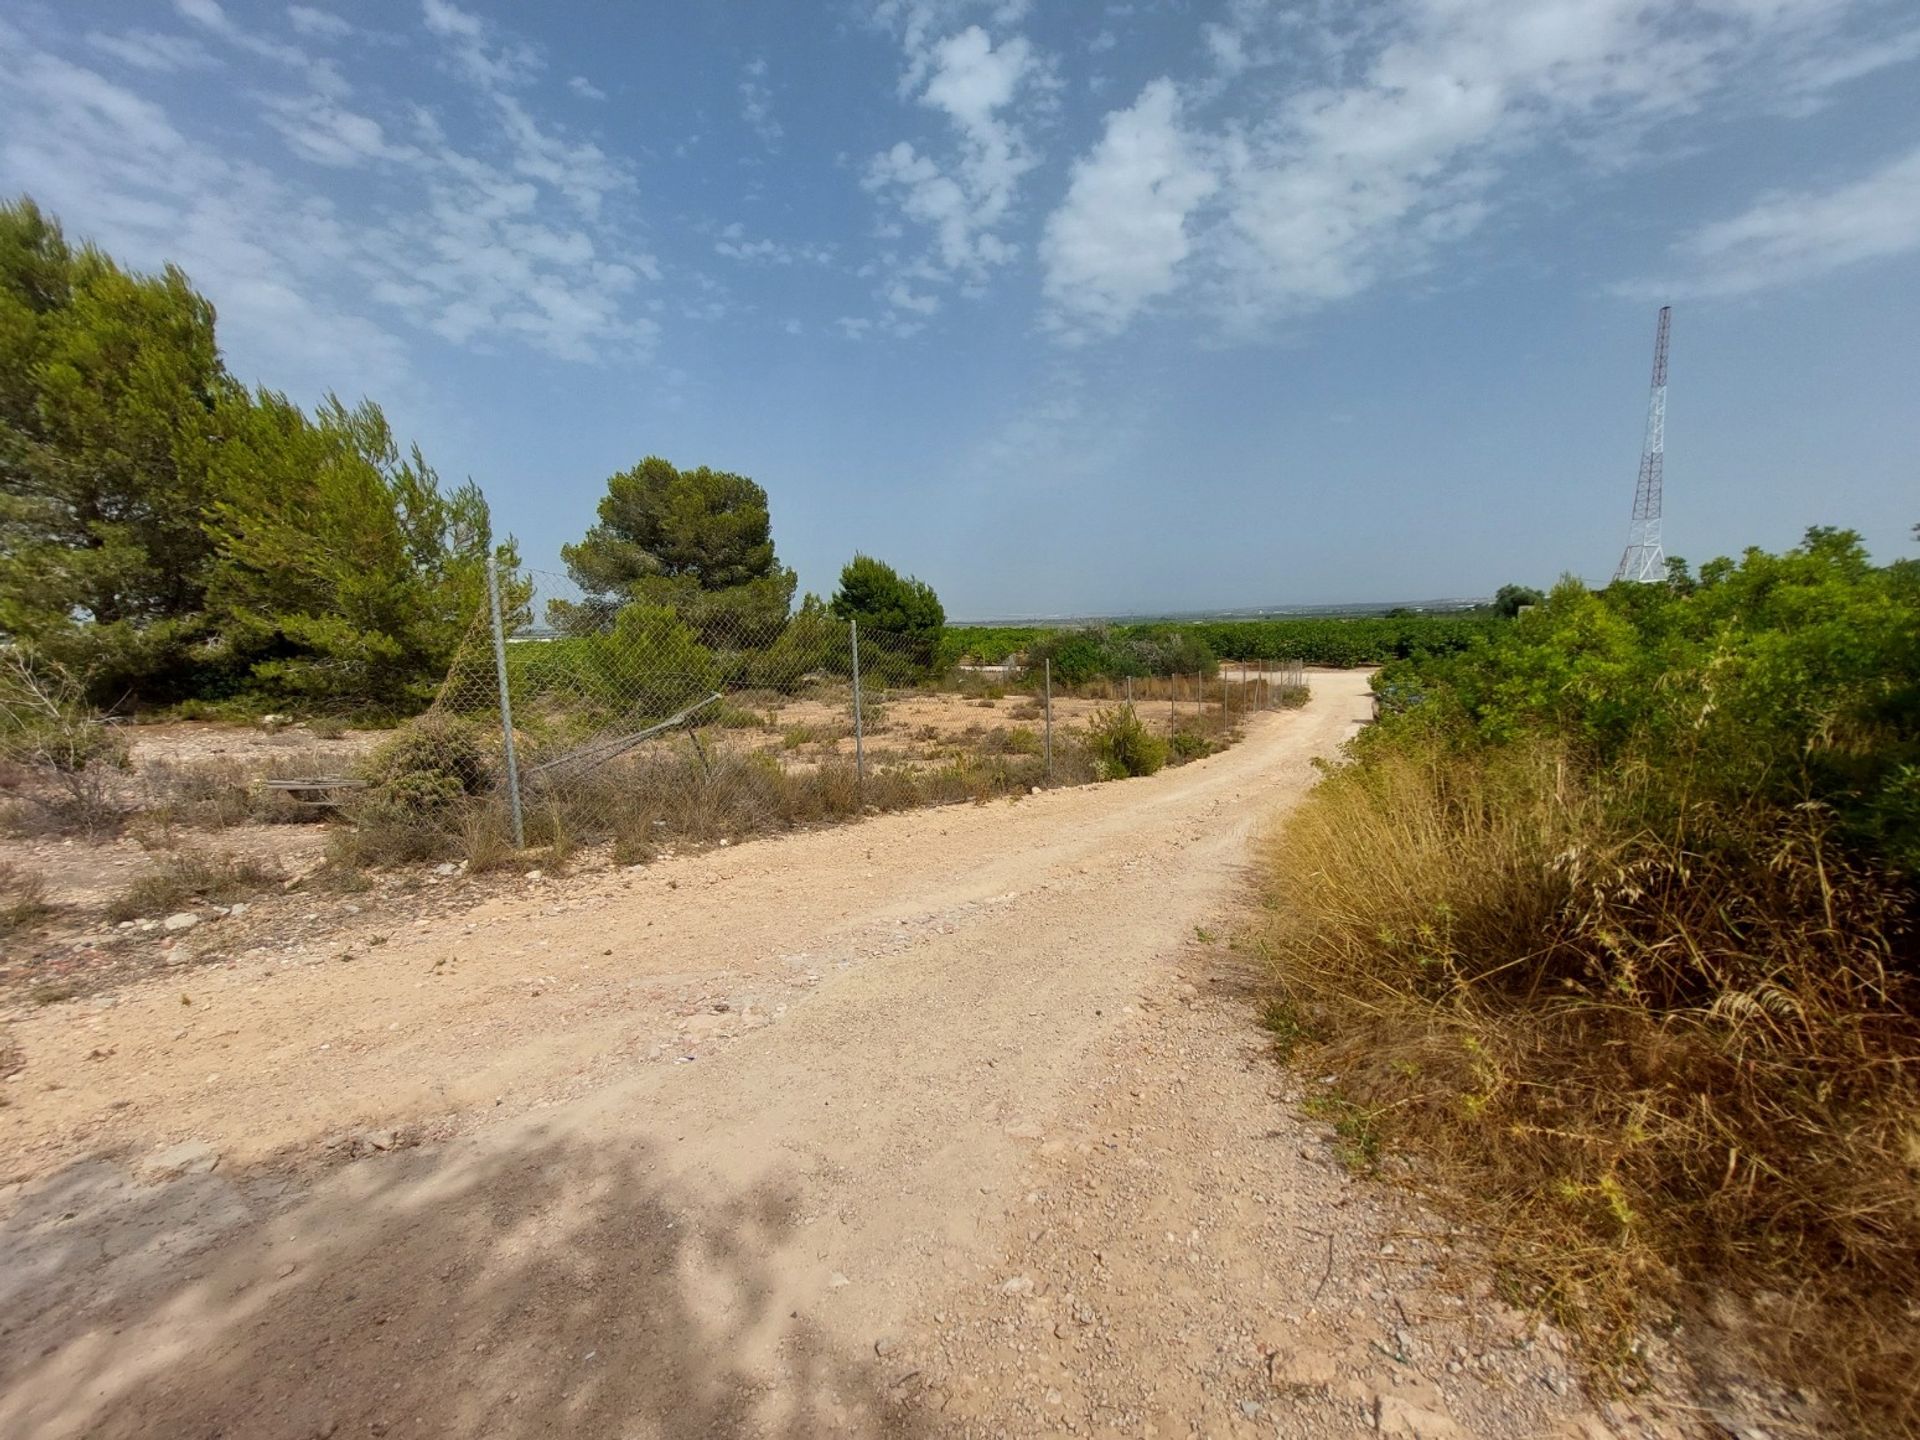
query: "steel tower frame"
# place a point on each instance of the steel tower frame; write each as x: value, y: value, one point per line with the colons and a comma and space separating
x: 1644, y: 559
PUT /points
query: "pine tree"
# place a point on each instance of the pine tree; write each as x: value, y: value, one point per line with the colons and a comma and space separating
x: 108, y: 384
x: 344, y: 573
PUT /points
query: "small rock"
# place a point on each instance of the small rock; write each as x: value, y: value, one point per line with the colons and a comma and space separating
x: 1250, y: 1409
x: 884, y: 1346
x: 178, y: 921
x: 1401, y: 1419
x: 1018, y: 1285
x: 191, y: 1157
x: 837, y: 1281
x: 1301, y: 1370
x: 536, y: 874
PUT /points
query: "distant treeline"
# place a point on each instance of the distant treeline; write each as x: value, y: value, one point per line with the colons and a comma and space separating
x: 1164, y: 648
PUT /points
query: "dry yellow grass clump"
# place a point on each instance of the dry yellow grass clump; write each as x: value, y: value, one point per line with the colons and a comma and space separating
x: 1667, y: 1054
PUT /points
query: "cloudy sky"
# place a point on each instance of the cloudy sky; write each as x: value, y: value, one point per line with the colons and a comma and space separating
x: 1066, y: 307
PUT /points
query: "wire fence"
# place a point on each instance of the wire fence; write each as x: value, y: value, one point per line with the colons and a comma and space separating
x: 566, y: 719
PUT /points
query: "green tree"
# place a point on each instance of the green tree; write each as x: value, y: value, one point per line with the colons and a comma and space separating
x: 698, y: 542
x: 344, y: 572
x: 1509, y: 600
x: 904, y: 610
x: 108, y: 385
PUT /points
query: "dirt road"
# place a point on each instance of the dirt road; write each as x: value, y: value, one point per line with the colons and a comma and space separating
x: 950, y: 1122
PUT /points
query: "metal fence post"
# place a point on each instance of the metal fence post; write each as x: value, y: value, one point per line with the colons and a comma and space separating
x: 506, y: 702
x: 1049, y: 719
x: 859, y: 729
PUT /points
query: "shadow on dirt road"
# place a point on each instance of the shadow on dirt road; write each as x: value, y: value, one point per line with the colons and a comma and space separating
x: 543, y: 1289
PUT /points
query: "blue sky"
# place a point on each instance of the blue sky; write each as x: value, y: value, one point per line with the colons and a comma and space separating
x: 1066, y: 308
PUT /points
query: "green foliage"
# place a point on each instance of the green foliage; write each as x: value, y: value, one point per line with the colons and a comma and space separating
x: 650, y: 663
x: 167, y: 536
x: 1789, y: 678
x: 108, y: 383
x: 1194, y: 648
x: 905, y: 611
x: 1121, y: 744
x: 344, y: 572
x: 699, y: 542
x: 1510, y: 600
x: 813, y: 642
x: 1612, y: 918
x: 432, y: 762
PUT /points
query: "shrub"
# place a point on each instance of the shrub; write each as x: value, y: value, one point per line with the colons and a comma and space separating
x: 1121, y: 745
x: 1612, y: 917
x: 23, y: 899
x: 192, y: 875
x: 1188, y: 742
x: 431, y: 763
x: 56, y: 738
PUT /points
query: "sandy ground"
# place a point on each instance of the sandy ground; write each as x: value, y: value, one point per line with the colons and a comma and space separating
x: 947, y: 1123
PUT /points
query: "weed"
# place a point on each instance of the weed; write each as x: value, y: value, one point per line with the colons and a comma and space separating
x: 1188, y: 743
x: 1122, y: 745
x: 23, y: 899
x: 188, y: 876
x: 1280, y: 1019
x: 1356, y: 1130
x: 1641, y: 1059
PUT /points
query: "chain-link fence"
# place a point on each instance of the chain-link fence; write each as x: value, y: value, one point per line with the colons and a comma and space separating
x: 568, y: 720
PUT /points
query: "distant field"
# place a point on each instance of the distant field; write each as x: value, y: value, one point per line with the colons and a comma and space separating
x: 1342, y: 642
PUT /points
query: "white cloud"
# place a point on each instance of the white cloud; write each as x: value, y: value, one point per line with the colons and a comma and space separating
x: 318, y: 24
x: 585, y: 88
x: 520, y: 237
x: 964, y: 195
x: 116, y: 169
x: 756, y: 103
x: 477, y: 49
x: 1117, y: 241
x: 1789, y: 237
x: 317, y: 129
x: 734, y: 243
x: 209, y: 14
x: 147, y: 50
x: 1349, y: 151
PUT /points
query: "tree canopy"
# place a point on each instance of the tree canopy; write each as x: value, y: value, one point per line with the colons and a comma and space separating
x: 343, y: 571
x: 904, y: 610
x: 108, y: 385
x: 1510, y: 600
x: 699, y: 542
x: 166, y: 534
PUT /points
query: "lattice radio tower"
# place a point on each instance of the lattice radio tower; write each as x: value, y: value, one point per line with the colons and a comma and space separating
x: 1643, y: 559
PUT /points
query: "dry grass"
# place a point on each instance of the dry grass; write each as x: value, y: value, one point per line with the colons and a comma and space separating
x: 1663, y: 1063
x: 191, y: 875
x: 220, y: 793
x: 23, y: 899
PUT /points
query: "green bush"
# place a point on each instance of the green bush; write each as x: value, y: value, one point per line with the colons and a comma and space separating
x: 1612, y: 918
x: 1121, y: 745
x: 432, y: 762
